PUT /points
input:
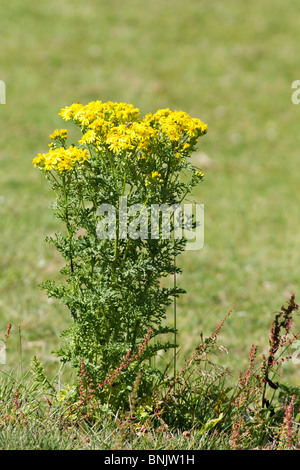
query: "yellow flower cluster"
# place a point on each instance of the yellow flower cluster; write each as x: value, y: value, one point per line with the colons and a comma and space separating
x: 154, y: 176
x: 177, y: 125
x: 199, y: 174
x: 131, y: 136
x: 111, y: 112
x: 60, y: 159
x: 118, y: 127
x: 115, y: 126
x: 59, y: 134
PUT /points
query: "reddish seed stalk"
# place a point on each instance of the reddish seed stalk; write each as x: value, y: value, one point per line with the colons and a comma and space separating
x: 288, y: 421
x: 83, y: 376
x: 201, y: 349
x: 126, y: 361
x: 287, y: 434
x: 283, y: 321
x: 7, y: 332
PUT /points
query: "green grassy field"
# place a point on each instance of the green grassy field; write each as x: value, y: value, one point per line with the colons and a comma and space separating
x: 229, y: 63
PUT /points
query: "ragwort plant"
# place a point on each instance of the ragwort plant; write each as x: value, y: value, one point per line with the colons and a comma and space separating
x: 113, y: 286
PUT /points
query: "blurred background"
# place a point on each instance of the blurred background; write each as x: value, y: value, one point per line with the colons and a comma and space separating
x: 232, y: 65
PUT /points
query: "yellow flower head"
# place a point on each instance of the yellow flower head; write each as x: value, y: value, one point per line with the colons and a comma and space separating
x: 177, y: 126
x: 199, y: 174
x: 111, y: 113
x: 155, y: 174
x: 153, y: 177
x: 59, y: 134
x: 60, y: 159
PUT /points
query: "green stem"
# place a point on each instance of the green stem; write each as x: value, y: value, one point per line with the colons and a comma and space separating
x: 128, y: 239
x: 117, y: 234
x: 175, y: 320
x: 112, y: 169
x: 79, y: 190
x: 167, y: 175
x: 68, y: 223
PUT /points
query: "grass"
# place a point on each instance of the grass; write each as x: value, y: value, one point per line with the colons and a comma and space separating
x: 197, y: 411
x: 230, y: 64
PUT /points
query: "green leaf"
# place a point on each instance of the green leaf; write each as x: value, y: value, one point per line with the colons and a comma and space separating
x: 37, y: 371
x: 211, y: 424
